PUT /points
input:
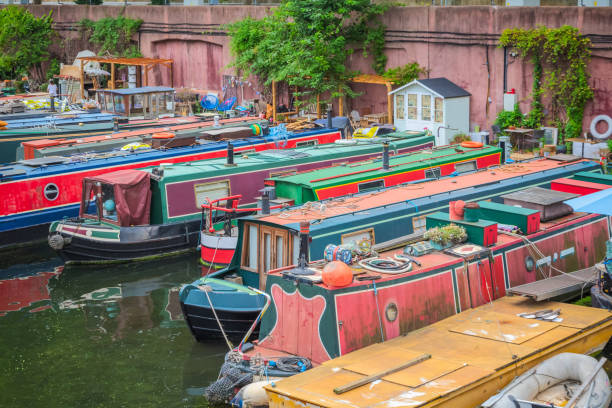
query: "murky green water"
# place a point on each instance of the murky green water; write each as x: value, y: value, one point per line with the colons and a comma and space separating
x: 100, y: 337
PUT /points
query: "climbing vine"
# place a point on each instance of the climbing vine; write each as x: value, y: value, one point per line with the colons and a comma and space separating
x: 307, y: 43
x: 24, y: 42
x: 560, y: 57
x: 113, y: 35
x: 404, y: 74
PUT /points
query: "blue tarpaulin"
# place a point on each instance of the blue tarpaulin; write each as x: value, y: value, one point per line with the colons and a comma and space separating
x: 596, y: 203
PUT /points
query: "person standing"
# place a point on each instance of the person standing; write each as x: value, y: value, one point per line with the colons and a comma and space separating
x: 52, y: 89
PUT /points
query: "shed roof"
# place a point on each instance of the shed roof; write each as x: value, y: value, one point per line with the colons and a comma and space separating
x: 141, y: 90
x: 441, y: 86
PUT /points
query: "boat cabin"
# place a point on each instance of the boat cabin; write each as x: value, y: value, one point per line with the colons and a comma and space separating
x: 436, y: 104
x: 149, y: 102
x: 122, y: 198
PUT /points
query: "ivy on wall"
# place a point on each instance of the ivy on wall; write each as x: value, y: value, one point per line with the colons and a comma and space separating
x: 113, y: 35
x: 307, y: 43
x: 560, y: 57
x: 404, y: 74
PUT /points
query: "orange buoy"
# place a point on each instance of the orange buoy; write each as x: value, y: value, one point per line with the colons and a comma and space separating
x: 337, y: 274
x: 163, y: 135
x: 3, y: 123
x: 471, y: 144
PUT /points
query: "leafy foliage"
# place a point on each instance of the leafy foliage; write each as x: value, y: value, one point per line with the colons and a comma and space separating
x: 560, y: 58
x: 113, y: 35
x: 24, y: 41
x: 307, y: 43
x: 506, y: 118
x: 404, y: 74
x: 88, y: 2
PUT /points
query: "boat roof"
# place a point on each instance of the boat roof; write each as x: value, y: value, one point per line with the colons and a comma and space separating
x: 406, y: 193
x: 266, y: 159
x: 134, y: 91
x: 349, y: 172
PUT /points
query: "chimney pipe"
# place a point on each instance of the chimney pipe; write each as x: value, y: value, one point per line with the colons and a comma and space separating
x: 230, y: 154
x: 265, y: 201
x: 302, y: 266
x: 115, y: 124
x: 385, y: 157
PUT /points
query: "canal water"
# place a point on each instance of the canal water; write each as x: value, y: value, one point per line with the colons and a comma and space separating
x: 99, y: 336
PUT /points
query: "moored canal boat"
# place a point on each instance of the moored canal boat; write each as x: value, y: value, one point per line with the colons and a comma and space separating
x: 174, y: 196
x: 266, y: 243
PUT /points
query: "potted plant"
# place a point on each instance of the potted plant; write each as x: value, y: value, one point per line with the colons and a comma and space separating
x: 446, y: 236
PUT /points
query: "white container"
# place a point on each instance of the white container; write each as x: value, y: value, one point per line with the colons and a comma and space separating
x: 131, y: 70
x: 509, y: 101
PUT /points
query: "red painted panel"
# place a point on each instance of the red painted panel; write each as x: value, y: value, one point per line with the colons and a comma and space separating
x: 297, y: 325
x: 419, y: 303
x: 576, y: 186
x: 217, y: 256
x: 490, y: 160
x: 396, y: 179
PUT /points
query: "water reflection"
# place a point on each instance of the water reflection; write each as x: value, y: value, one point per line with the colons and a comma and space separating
x: 111, y: 336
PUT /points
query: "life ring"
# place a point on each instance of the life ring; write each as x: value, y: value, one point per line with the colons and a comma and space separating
x: 256, y: 128
x: 3, y: 123
x: 594, y: 123
x: 471, y: 144
x: 163, y: 135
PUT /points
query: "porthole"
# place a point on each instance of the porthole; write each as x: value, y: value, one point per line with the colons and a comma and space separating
x: 391, y: 312
x: 529, y: 263
x: 51, y: 192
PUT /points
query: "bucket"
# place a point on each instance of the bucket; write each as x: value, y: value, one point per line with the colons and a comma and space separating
x: 470, y: 212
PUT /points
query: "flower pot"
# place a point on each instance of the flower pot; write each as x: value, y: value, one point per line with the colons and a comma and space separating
x: 440, y: 246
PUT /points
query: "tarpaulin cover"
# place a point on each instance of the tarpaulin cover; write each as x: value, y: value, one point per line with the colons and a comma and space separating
x: 132, y: 191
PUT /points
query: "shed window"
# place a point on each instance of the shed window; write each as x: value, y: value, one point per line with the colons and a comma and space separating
x: 371, y: 185
x: 307, y: 143
x: 438, y: 110
x: 466, y: 166
x: 212, y: 191
x: 426, y: 107
x: 399, y: 106
x: 412, y: 106
x: 432, y: 173
x: 419, y: 225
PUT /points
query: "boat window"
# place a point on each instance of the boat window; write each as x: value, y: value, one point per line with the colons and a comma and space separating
x: 371, y: 185
x: 252, y: 247
x: 466, y: 166
x: 51, y: 191
x: 412, y: 106
x: 267, y: 250
x: 438, y: 112
x: 426, y: 107
x: 432, y: 173
x: 283, y: 173
x: 119, y: 107
x: 280, y: 246
x: 109, y: 102
x: 295, y: 249
x: 307, y: 143
x: 419, y: 225
x: 275, y: 249
x: 359, y: 236
x: 109, y: 210
x: 213, y: 191
x: 136, y: 104
x: 399, y: 106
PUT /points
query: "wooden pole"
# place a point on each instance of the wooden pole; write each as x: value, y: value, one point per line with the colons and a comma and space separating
x: 82, y: 80
x: 171, y: 76
x: 112, y: 76
x: 340, y: 105
x: 146, y: 70
x: 389, y: 104
x: 366, y: 380
x: 318, y: 106
x: 274, y: 101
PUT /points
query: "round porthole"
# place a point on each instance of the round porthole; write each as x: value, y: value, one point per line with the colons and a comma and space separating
x: 51, y: 191
x: 391, y: 312
x: 529, y: 263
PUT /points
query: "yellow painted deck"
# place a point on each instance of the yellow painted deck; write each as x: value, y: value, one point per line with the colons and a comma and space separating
x: 474, y: 354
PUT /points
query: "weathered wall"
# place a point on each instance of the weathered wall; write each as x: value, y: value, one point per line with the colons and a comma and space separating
x: 454, y: 42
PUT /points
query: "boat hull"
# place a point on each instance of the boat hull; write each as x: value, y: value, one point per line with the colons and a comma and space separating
x: 600, y: 299
x: 76, y: 242
x: 217, y: 250
x: 235, y: 317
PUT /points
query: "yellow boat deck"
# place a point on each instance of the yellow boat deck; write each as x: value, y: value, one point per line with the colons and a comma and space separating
x: 473, y: 355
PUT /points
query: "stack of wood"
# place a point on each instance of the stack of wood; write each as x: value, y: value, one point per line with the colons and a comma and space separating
x: 300, y: 125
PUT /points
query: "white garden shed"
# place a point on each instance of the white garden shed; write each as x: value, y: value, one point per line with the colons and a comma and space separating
x: 436, y: 104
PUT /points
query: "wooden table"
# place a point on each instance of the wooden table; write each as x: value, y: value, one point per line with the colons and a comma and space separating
x: 519, y: 136
x: 376, y: 118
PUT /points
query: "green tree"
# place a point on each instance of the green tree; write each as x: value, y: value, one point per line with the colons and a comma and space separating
x: 24, y: 41
x: 113, y: 35
x: 307, y: 44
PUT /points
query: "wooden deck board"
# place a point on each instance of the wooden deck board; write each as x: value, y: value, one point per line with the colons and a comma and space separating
x: 557, y: 285
x: 464, y: 369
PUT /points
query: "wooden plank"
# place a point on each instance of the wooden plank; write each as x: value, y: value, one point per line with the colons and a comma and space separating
x: 555, y: 286
x: 372, y: 364
x: 363, y: 381
x: 425, y: 372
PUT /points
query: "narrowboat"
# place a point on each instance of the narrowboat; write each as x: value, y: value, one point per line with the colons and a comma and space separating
x: 165, y: 217
x: 345, y: 178
x: 40, y: 190
x: 267, y: 243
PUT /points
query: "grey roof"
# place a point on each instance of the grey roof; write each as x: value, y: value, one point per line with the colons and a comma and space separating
x: 132, y: 91
x: 441, y: 86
